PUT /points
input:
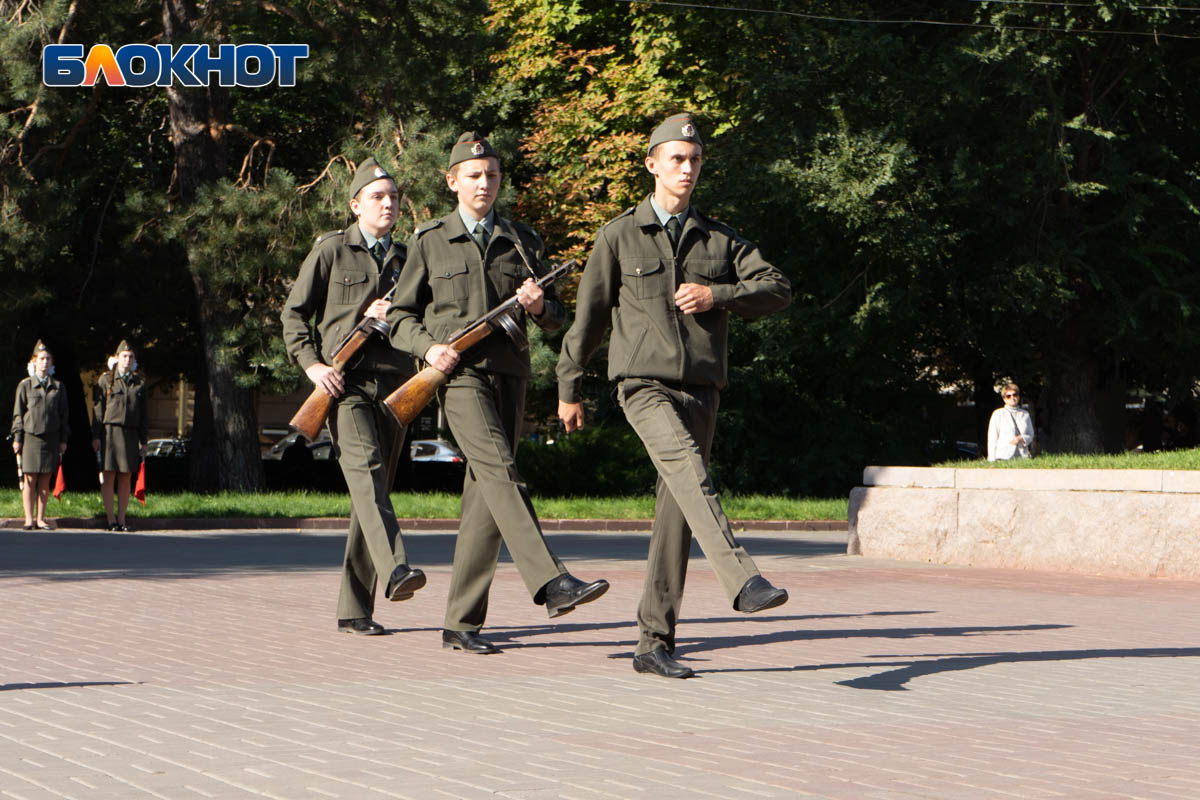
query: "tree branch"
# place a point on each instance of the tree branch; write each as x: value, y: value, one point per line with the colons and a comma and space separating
x: 304, y: 189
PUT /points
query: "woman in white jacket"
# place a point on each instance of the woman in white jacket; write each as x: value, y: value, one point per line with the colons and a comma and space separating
x: 1010, y: 431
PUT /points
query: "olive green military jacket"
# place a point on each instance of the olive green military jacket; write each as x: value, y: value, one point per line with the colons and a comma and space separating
x: 40, y: 411
x: 446, y: 284
x: 337, y: 281
x: 630, y: 281
x: 116, y: 401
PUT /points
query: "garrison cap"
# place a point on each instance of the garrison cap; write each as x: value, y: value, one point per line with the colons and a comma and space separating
x: 124, y: 345
x: 678, y: 128
x: 471, y: 145
x: 368, y: 171
x: 40, y: 347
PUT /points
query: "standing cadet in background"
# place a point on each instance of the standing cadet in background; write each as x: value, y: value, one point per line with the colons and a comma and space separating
x: 667, y: 276
x: 120, y: 430
x: 39, y: 434
x: 342, y: 280
x: 458, y: 268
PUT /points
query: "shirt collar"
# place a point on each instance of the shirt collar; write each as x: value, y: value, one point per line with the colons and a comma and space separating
x: 371, y: 240
x: 663, y: 216
x: 469, y: 222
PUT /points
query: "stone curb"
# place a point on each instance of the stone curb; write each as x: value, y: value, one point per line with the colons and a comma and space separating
x: 340, y: 523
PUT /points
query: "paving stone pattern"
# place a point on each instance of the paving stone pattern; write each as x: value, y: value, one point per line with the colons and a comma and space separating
x: 189, y: 665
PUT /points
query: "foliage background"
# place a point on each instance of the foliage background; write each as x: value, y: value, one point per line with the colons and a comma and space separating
x: 960, y: 192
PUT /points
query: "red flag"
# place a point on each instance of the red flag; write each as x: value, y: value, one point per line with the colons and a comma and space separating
x: 139, y: 490
x: 60, y: 485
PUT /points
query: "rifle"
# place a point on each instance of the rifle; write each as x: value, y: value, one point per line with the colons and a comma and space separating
x: 407, y: 402
x: 311, y: 417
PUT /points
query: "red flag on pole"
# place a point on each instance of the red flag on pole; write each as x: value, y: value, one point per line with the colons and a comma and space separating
x: 60, y: 485
x: 139, y: 489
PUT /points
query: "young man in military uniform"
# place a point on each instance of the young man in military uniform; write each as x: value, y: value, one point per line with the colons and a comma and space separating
x: 458, y: 268
x: 343, y: 279
x: 668, y: 276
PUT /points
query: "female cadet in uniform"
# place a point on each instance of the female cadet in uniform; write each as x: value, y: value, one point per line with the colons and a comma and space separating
x: 39, y: 433
x: 119, y: 430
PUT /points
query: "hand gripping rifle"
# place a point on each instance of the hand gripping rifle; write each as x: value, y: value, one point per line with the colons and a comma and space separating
x: 407, y: 402
x: 311, y: 416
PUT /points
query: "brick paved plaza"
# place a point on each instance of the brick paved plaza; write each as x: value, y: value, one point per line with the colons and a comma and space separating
x: 207, y: 665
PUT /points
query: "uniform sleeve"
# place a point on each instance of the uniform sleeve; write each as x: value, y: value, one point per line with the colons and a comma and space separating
x: 305, y: 299
x: 407, y: 314
x: 760, y: 288
x: 98, y: 410
x: 594, y: 300
x: 20, y: 404
x: 143, y: 416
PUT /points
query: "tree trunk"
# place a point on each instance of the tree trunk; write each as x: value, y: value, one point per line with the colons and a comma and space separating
x: 197, y: 122
x: 202, y: 476
x: 1085, y: 401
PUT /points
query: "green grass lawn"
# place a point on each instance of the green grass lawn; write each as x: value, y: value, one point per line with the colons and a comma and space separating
x: 432, y: 505
x: 1167, y: 459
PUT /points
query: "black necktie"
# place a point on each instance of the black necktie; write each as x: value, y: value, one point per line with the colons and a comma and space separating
x: 481, y: 238
x: 673, y: 232
x: 379, y: 252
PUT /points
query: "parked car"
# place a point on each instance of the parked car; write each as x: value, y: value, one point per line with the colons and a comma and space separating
x: 435, y: 450
x: 166, y: 448
x: 434, y: 464
x: 321, y: 449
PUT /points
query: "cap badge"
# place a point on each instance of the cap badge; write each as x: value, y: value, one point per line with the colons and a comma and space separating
x: 688, y: 130
x: 379, y: 173
x: 477, y: 149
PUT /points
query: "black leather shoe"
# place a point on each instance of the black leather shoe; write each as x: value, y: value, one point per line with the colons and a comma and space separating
x: 566, y: 591
x: 364, y: 626
x: 404, y: 581
x: 758, y: 595
x: 658, y: 662
x: 468, y: 642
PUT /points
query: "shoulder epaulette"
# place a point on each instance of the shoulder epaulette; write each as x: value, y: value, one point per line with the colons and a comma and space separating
x: 714, y: 223
x: 325, y: 236
x: 427, y: 227
x: 523, y: 228
x: 622, y: 215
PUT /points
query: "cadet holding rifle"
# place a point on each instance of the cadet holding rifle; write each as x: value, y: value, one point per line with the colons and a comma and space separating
x: 667, y: 277
x: 458, y: 268
x: 344, y: 279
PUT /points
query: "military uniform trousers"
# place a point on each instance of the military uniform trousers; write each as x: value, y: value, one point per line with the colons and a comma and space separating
x: 676, y: 424
x: 484, y: 410
x: 368, y: 441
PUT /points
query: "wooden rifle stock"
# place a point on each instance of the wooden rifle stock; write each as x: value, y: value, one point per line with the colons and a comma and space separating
x: 415, y: 393
x: 309, y: 420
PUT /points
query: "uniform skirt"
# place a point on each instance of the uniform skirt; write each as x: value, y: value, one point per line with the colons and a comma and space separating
x: 119, y: 449
x: 39, y: 453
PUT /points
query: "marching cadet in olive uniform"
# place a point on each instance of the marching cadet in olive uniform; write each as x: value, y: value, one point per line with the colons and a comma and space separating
x: 342, y: 280
x: 667, y: 277
x: 458, y: 268
x: 39, y: 434
x: 120, y: 430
